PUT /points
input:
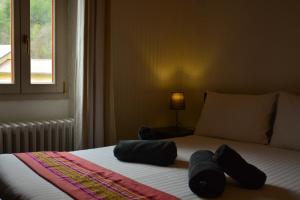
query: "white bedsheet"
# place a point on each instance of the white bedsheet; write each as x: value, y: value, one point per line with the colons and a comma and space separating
x: 282, y: 167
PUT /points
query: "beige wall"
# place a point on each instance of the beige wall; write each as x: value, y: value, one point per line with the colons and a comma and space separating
x: 195, y: 45
x: 30, y: 110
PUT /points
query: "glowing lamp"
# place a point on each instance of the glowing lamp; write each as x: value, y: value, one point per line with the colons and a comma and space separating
x: 177, y: 102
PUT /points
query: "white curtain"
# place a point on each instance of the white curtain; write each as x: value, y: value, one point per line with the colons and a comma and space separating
x: 78, y: 17
x: 93, y: 96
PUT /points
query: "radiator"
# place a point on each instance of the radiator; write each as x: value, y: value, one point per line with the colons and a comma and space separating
x: 52, y: 135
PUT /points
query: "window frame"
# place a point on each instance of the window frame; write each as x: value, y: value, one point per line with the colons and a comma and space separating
x: 22, y: 75
x: 13, y: 88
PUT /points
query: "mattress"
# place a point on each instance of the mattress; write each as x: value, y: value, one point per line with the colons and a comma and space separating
x: 282, y: 167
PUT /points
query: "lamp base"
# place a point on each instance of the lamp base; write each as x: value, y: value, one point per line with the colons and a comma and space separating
x: 177, y: 124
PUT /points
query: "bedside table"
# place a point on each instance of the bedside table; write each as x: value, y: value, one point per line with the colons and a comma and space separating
x: 163, y: 132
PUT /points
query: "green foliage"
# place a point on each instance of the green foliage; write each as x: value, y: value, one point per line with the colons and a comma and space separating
x: 4, y: 21
x: 40, y: 27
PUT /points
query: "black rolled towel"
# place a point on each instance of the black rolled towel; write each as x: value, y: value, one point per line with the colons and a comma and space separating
x: 206, y: 178
x: 160, y: 153
x: 146, y: 133
x: 239, y: 169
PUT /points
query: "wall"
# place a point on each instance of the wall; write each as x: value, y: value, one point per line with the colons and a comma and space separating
x: 196, y: 45
x: 33, y: 110
x: 143, y: 66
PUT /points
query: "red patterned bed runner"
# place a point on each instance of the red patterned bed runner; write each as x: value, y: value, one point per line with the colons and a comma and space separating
x: 82, y: 179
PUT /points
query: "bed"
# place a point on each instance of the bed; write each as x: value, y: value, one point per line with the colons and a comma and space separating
x: 17, y: 181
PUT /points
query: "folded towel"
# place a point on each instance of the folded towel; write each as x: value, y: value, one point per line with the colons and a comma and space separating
x: 160, y: 153
x: 206, y: 178
x: 235, y: 166
x: 146, y: 133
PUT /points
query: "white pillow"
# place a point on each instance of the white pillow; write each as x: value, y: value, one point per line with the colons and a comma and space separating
x: 237, y: 117
x: 286, y: 132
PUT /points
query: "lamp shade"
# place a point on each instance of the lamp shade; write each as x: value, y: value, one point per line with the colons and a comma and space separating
x: 177, y: 101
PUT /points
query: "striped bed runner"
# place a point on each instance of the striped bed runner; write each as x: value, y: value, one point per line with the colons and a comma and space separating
x: 82, y: 179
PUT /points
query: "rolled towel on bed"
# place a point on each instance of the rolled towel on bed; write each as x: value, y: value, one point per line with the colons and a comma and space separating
x: 206, y: 178
x: 239, y: 169
x: 146, y: 133
x: 160, y: 153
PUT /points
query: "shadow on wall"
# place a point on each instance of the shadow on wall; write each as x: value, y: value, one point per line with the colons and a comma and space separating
x: 247, y: 46
x: 194, y: 46
x: 141, y: 98
x: 148, y: 60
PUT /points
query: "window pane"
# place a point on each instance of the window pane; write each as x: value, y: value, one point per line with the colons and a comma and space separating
x: 41, y: 41
x: 6, y: 64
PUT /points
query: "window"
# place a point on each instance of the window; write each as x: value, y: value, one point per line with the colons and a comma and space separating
x: 41, y: 42
x: 6, y: 65
x: 29, y: 47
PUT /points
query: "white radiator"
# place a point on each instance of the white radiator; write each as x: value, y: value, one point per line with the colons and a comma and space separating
x: 52, y: 135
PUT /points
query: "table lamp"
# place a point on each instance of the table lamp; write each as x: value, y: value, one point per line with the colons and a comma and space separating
x: 177, y: 102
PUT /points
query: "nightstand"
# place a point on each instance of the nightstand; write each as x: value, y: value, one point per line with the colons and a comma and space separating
x: 163, y: 132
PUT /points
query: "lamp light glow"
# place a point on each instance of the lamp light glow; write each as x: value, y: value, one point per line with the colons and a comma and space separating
x: 177, y: 101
